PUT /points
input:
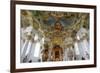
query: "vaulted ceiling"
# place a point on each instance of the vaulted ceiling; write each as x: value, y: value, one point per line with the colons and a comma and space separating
x: 70, y: 20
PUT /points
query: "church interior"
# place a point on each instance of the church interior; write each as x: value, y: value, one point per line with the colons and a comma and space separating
x: 49, y: 36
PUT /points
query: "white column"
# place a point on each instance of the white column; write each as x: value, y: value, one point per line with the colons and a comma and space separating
x: 50, y: 50
x: 24, y: 50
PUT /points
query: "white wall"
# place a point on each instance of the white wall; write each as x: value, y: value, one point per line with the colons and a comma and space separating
x: 5, y: 37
